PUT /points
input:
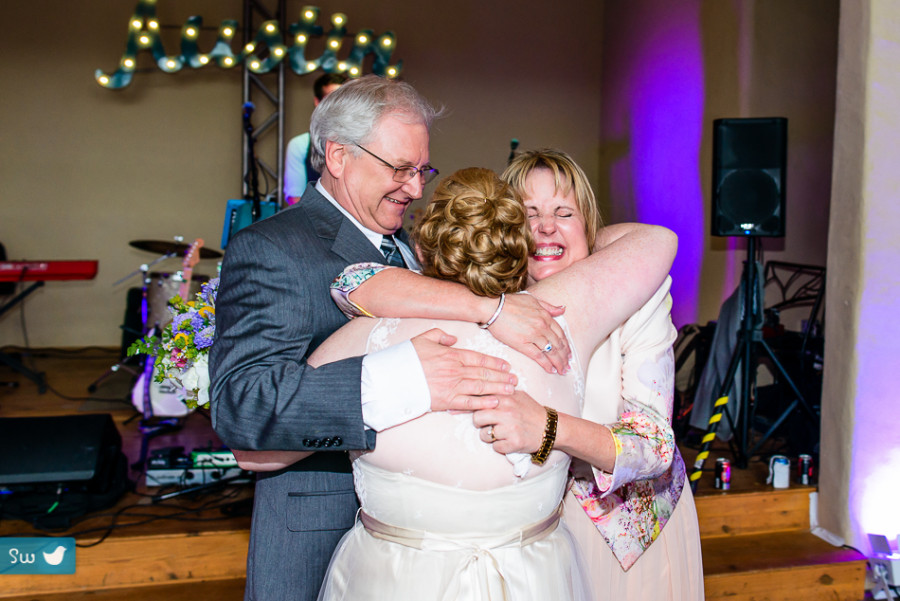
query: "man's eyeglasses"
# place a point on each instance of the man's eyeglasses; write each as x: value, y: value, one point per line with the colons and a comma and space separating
x: 404, y: 174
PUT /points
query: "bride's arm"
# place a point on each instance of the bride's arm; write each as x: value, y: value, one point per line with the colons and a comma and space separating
x: 524, y: 323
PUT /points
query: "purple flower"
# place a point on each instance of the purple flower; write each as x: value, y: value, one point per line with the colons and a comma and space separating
x: 179, y: 322
x: 209, y: 291
x: 187, y: 322
x: 204, y: 338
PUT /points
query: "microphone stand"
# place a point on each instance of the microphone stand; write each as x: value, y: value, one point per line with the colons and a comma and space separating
x: 144, y: 270
x: 253, y: 173
x: 513, y: 145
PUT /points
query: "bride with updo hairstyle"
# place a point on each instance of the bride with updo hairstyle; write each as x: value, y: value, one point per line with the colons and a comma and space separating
x: 444, y: 516
x: 475, y: 232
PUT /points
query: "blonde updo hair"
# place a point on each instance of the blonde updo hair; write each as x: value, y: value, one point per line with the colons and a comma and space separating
x: 475, y: 232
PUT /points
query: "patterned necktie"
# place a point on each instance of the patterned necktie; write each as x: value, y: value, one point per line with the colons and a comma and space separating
x: 392, y: 254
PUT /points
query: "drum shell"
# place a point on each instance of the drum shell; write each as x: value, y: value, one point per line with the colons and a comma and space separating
x: 161, y: 288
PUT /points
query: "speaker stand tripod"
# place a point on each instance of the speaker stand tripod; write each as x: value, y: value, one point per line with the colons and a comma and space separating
x: 749, y: 343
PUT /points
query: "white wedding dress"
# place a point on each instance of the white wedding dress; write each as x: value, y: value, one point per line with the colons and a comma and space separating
x: 443, y: 516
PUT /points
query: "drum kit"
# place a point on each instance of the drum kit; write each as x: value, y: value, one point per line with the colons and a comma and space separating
x: 160, y: 286
x: 161, y: 404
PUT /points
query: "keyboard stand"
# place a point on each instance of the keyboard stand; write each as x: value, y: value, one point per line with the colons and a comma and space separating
x: 7, y: 359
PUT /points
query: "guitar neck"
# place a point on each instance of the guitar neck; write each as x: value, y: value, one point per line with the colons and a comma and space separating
x: 185, y: 288
x: 187, y: 268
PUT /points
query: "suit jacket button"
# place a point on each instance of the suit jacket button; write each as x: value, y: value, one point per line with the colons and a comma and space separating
x: 307, y: 442
x: 317, y: 443
x: 326, y: 442
x: 338, y: 441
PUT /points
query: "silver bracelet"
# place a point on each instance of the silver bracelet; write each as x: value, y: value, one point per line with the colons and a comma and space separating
x: 496, y: 314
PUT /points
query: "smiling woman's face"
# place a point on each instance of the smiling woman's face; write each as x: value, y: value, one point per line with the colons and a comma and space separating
x: 556, y: 223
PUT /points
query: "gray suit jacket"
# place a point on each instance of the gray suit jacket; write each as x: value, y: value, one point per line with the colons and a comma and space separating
x: 273, y: 309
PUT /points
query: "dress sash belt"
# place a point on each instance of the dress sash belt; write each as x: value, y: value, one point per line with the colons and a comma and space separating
x: 478, y: 574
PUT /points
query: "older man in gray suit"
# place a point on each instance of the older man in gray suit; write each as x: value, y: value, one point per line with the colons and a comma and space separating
x: 370, y: 142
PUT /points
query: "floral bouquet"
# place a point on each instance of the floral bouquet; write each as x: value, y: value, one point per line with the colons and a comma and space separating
x: 182, y: 352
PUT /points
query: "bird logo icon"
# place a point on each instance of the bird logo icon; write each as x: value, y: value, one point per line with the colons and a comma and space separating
x: 55, y: 558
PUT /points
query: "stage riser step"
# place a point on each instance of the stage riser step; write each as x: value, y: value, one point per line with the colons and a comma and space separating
x: 835, y: 582
x: 781, y: 566
x: 142, y: 563
x: 734, y: 514
x: 220, y: 590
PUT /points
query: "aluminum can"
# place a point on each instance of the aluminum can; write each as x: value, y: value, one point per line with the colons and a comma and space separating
x: 805, y: 469
x: 779, y: 471
x: 723, y: 473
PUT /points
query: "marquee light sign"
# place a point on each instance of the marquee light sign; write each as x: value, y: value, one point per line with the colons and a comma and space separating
x: 261, y: 55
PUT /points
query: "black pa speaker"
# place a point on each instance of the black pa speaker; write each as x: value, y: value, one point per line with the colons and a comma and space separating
x: 56, y: 468
x: 749, y: 169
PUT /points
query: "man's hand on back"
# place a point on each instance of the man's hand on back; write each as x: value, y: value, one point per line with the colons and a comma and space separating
x: 459, y: 379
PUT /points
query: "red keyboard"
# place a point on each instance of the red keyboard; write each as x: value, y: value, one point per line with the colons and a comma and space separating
x: 39, y: 271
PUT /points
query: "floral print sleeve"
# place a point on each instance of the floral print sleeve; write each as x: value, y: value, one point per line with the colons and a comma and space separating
x: 631, y: 506
x: 645, y: 443
x: 349, y: 280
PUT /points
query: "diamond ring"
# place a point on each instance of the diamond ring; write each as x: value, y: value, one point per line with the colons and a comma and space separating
x: 548, y: 347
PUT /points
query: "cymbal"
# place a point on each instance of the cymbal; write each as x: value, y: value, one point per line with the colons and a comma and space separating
x: 163, y: 247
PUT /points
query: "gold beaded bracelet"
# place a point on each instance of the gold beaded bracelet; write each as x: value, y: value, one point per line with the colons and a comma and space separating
x: 540, y: 456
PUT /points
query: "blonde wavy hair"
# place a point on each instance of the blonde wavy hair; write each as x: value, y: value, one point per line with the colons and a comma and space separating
x: 568, y: 176
x: 475, y: 232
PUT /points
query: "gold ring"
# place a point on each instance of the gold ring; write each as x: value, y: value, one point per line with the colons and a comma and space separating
x: 491, y: 434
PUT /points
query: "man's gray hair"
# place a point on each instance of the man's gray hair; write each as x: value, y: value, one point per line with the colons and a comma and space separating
x: 351, y: 113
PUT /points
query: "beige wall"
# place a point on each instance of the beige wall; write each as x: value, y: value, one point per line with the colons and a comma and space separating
x: 773, y: 58
x: 741, y: 58
x: 84, y: 170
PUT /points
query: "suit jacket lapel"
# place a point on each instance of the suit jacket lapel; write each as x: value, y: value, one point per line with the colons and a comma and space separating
x: 352, y: 244
x: 330, y: 224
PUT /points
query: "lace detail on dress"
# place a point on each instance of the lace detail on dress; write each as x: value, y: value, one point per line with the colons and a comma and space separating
x: 575, y: 367
x: 378, y: 337
x: 359, y: 482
